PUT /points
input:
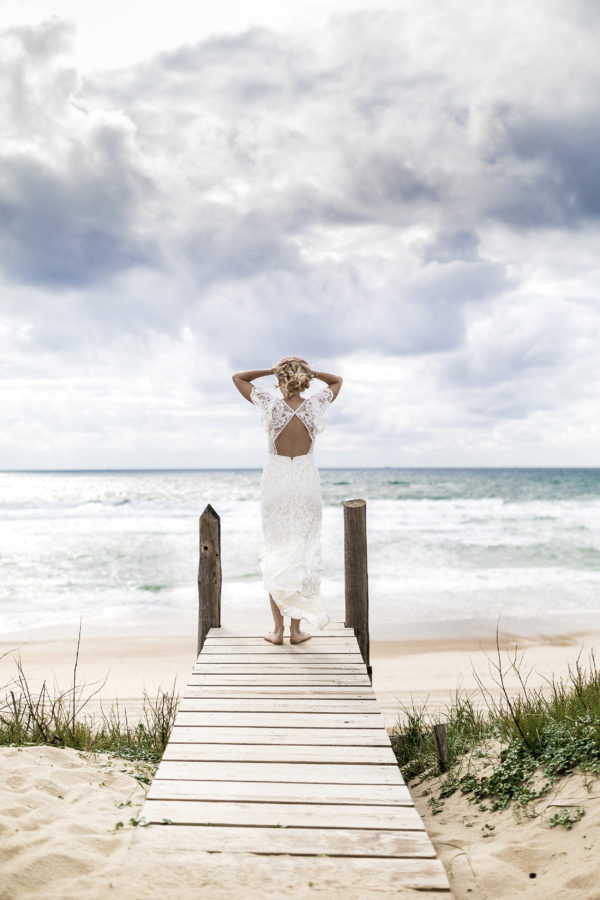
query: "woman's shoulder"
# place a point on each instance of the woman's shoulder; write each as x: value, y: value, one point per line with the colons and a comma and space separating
x: 324, y: 395
x: 260, y: 392
x: 265, y: 400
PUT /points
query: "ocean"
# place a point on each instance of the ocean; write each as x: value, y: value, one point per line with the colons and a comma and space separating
x: 451, y: 551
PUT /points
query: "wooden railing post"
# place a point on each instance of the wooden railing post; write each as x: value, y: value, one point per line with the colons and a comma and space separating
x: 356, y: 574
x: 441, y: 746
x: 209, y: 574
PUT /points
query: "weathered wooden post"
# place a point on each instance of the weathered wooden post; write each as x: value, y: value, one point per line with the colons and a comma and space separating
x: 441, y: 746
x: 356, y: 574
x: 209, y: 574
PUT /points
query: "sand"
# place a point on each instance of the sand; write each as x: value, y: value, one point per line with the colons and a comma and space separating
x: 59, y: 808
x: 432, y: 672
x: 60, y: 839
x: 490, y: 856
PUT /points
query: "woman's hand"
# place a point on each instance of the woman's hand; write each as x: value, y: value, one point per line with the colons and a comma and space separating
x: 243, y: 380
x: 334, y: 382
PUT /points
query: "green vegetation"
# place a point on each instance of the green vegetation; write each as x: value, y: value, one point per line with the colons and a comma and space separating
x: 566, y: 817
x: 57, y: 717
x: 512, y: 749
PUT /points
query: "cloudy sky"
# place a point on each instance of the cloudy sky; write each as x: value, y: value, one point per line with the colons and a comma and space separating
x: 406, y: 193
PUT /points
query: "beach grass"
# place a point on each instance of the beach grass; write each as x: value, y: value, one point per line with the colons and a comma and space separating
x: 508, y: 749
x: 58, y: 717
x: 503, y: 748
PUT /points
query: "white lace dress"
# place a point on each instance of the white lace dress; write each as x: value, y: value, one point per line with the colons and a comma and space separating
x: 291, y: 510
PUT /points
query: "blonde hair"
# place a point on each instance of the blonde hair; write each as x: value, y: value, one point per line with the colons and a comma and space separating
x: 295, y: 375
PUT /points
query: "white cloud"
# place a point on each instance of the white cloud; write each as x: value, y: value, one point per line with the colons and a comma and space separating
x: 411, y: 198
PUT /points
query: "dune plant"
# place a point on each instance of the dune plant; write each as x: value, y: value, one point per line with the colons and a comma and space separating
x: 59, y: 717
x: 508, y: 748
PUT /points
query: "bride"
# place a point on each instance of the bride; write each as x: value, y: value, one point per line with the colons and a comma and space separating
x: 291, y: 492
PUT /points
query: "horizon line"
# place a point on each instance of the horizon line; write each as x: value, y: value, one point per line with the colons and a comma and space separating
x: 321, y: 468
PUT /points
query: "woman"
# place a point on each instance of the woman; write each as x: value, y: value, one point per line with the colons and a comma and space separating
x: 291, y: 492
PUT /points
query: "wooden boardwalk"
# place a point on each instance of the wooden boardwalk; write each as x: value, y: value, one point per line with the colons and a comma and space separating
x: 283, y: 751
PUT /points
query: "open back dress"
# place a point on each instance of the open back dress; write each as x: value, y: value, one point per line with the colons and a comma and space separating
x: 291, y: 509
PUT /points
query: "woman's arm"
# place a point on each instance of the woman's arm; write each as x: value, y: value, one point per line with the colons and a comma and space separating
x: 334, y: 382
x: 243, y: 380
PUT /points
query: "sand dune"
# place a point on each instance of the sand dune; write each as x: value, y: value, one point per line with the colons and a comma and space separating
x: 58, y: 812
x: 59, y: 808
x: 519, y: 856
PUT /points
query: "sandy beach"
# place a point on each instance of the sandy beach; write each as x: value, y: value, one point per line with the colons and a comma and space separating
x: 59, y: 808
x: 123, y: 667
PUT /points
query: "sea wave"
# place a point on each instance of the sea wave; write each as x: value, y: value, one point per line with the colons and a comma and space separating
x: 443, y: 544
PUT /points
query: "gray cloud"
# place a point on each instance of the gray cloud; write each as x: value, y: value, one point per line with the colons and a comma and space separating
x: 62, y: 233
x: 556, y: 161
x: 234, y: 247
x: 230, y: 152
x: 72, y: 188
x: 449, y: 246
x: 513, y: 366
x: 366, y: 190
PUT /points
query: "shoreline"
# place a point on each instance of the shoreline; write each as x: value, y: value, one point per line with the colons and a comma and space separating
x: 176, y: 623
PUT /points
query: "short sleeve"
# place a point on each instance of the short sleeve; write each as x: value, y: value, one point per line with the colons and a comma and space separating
x: 320, y: 402
x: 263, y: 401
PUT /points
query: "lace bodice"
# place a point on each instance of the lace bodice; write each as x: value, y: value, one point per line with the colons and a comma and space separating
x: 276, y: 413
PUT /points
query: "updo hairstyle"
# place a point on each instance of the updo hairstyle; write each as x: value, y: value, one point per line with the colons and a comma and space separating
x: 295, y: 375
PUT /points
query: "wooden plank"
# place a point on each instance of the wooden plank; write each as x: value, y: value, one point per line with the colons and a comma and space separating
x: 267, y: 753
x: 283, y: 772
x: 279, y: 662
x: 278, y: 792
x: 281, y: 659
x: 282, y: 720
x: 258, y: 693
x: 283, y: 751
x: 239, y: 629
x: 276, y: 657
x: 316, y: 641
x: 291, y: 668
x: 341, y: 737
x: 284, y: 815
x: 277, y: 651
x: 233, y: 692
x: 282, y: 649
x: 243, y: 634
x: 381, y: 872
x: 286, y: 680
x: 271, y: 704
x: 221, y: 634
x: 337, y: 635
x: 251, y: 627
x: 353, y: 842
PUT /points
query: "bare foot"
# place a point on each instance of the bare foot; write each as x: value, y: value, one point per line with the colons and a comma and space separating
x: 298, y: 636
x: 275, y: 637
